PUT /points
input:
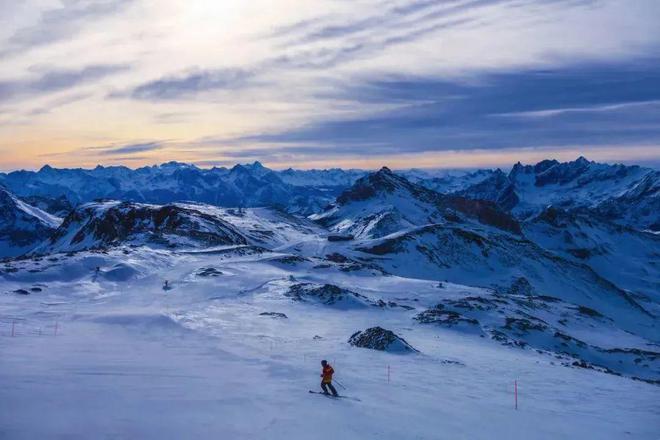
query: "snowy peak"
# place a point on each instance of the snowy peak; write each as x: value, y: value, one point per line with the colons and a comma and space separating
x: 382, y: 182
x: 561, y: 173
x: 325, y: 179
x: 625, y: 194
x: 384, y: 202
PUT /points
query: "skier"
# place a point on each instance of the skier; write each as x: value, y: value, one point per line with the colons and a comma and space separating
x: 326, y: 382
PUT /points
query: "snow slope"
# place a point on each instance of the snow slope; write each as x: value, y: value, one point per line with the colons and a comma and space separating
x: 627, y: 257
x: 22, y: 226
x: 131, y: 360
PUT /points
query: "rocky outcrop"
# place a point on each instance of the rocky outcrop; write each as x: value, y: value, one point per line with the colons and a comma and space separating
x: 327, y: 294
x: 378, y: 338
x: 274, y: 315
x: 106, y: 224
x: 447, y: 318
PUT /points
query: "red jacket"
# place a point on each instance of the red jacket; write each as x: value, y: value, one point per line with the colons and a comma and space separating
x: 327, y: 373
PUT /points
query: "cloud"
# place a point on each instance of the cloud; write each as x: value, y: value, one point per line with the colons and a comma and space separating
x: 553, y: 112
x: 187, y: 85
x: 57, y: 80
x: 383, y: 21
x: 127, y: 149
x: 59, y: 102
x: 60, y: 23
x: 191, y: 84
x: 590, y: 104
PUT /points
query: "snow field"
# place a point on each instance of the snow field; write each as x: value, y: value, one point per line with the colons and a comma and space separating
x: 132, y: 360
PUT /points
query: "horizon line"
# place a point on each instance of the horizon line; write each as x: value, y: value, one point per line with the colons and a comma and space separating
x: 651, y: 165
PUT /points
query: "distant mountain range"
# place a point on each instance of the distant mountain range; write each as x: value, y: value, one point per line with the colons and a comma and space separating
x: 243, y: 185
x: 628, y: 195
x: 625, y: 194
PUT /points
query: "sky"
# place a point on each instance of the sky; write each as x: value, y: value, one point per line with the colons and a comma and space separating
x: 325, y: 83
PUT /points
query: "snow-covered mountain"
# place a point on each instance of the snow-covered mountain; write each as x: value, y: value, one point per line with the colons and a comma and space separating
x: 627, y: 257
x: 181, y: 226
x: 383, y: 223
x: 332, y: 178
x: 449, y: 181
x: 22, y: 226
x: 59, y: 207
x: 242, y: 185
x: 411, y: 231
x: 624, y: 194
x: 100, y: 225
x: 384, y: 202
x: 146, y: 302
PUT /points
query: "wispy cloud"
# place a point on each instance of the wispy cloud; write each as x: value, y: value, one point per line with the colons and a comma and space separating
x: 552, y: 112
x: 595, y: 104
x: 127, y: 149
x: 56, y: 80
x: 381, y: 20
x: 59, y: 102
x: 191, y: 84
x: 60, y: 23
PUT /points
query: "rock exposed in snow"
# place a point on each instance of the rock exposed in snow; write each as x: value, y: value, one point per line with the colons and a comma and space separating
x: 521, y: 286
x: 378, y: 338
x: 208, y: 272
x: 274, y: 315
x: 548, y: 324
x: 448, y: 318
x: 327, y: 294
x: 104, y: 224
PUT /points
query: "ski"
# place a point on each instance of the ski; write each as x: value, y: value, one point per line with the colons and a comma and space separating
x: 335, y: 397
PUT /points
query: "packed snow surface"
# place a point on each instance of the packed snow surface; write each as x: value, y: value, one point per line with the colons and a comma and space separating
x: 114, y: 353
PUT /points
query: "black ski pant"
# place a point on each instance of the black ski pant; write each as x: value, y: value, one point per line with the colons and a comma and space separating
x: 328, y: 385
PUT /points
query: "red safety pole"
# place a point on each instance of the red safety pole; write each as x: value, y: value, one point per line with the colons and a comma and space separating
x: 13, y: 324
x: 515, y: 392
x: 388, y: 374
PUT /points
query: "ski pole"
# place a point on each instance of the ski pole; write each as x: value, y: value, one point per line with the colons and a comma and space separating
x: 337, y: 382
